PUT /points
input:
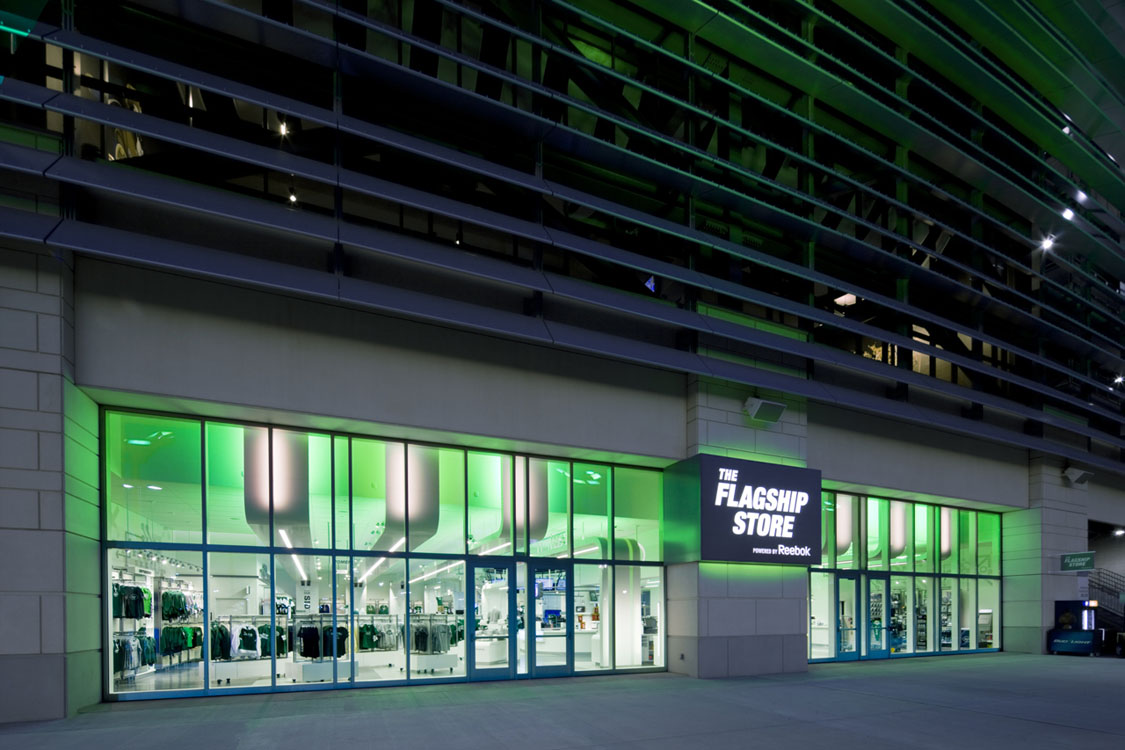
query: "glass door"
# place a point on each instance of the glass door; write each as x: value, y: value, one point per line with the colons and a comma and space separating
x: 876, y: 646
x: 550, y: 631
x: 847, y: 612
x: 491, y: 623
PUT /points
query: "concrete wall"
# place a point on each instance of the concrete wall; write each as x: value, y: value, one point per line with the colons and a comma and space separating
x: 1033, y: 540
x: 866, y: 453
x: 49, y: 590
x: 209, y: 341
x: 717, y: 424
x: 733, y: 620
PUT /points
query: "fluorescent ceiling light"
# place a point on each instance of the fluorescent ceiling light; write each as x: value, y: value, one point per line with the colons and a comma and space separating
x: 136, y: 441
x: 1119, y: 532
x: 300, y: 569
x: 585, y: 550
x: 496, y: 549
x: 154, y: 487
x: 127, y: 486
x: 382, y: 560
x: 845, y: 300
x: 284, y: 129
x: 433, y: 573
x: 285, y: 538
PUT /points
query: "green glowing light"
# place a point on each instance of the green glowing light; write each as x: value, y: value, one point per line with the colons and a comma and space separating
x: 13, y: 31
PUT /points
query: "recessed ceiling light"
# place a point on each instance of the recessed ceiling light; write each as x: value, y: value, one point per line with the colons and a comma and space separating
x: 844, y: 300
x: 1047, y: 243
x: 1067, y: 130
x: 1068, y: 214
x: 127, y: 486
x: 284, y: 129
x: 154, y: 487
x: 292, y: 196
x: 1082, y: 196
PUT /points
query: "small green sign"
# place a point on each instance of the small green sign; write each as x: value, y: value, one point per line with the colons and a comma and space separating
x: 1078, y: 561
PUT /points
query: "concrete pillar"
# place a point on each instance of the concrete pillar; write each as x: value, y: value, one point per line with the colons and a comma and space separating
x: 50, y: 627
x: 736, y: 619
x: 1054, y: 523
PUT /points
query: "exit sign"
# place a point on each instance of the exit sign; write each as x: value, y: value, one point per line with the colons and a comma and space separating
x: 1078, y: 561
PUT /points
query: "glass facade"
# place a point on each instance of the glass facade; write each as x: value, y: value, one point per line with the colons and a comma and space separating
x: 246, y: 558
x: 899, y: 578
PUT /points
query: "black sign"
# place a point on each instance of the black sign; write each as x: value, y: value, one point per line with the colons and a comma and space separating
x: 756, y: 512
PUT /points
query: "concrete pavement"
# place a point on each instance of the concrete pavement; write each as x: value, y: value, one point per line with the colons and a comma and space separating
x: 992, y: 701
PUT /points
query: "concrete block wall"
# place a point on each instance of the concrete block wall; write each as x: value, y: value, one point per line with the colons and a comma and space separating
x: 735, y: 620
x: 1054, y: 523
x: 718, y: 425
x: 43, y: 564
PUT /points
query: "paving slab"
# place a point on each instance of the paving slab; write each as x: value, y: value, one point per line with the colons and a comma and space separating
x: 993, y: 701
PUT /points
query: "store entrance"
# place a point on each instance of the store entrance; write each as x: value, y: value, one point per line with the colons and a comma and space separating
x: 875, y: 645
x: 494, y: 621
x: 550, y: 633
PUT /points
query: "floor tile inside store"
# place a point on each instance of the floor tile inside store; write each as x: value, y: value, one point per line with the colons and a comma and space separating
x: 992, y: 701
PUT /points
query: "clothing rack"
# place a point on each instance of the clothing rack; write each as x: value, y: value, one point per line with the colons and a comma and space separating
x: 385, y: 632
x: 322, y: 622
x: 431, y: 634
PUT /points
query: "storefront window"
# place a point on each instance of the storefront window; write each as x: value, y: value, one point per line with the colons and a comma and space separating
x: 902, y: 624
x: 988, y: 613
x: 901, y: 537
x: 156, y: 620
x: 380, y: 618
x: 924, y: 622
x: 876, y: 512
x: 304, y: 556
x: 342, y: 484
x: 152, y: 475
x: 988, y: 543
x: 967, y: 541
x: 436, y: 621
x: 238, y: 485
x: 822, y: 618
x: 592, y: 617
x: 310, y: 581
x: 639, y: 616
x: 548, y: 499
x: 947, y: 539
x: 490, y: 503
x: 591, y: 492
x: 967, y: 613
x: 302, y: 490
x: 489, y: 617
x: 435, y: 480
x: 847, y: 531
x: 239, y: 606
x: 827, y: 531
x: 548, y: 626
x: 378, y: 495
x: 638, y: 514
x: 925, y: 538
x: 948, y: 616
